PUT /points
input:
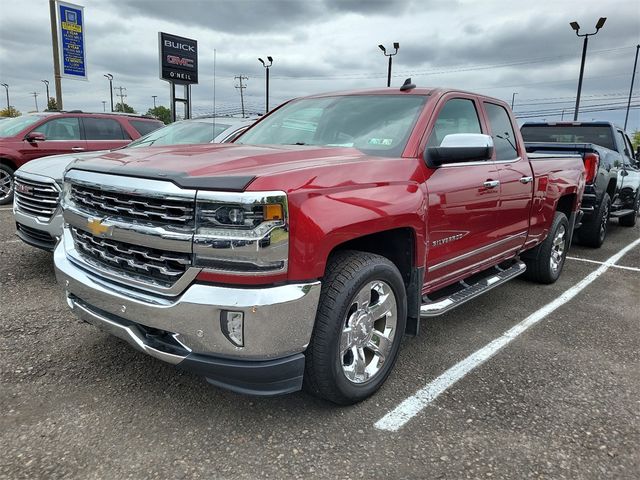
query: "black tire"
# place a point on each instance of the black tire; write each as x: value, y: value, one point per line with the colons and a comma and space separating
x: 540, y: 267
x: 630, y: 220
x: 593, y: 233
x: 6, y: 184
x: 347, y: 274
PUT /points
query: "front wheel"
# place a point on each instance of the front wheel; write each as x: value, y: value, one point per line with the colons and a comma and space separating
x: 359, y: 326
x: 545, y: 262
x: 6, y: 184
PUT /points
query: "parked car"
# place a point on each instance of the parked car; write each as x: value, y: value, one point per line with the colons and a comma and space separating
x: 38, y: 183
x: 302, y: 253
x: 613, y: 177
x: 36, y: 135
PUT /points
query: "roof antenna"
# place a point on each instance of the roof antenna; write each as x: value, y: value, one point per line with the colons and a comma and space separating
x: 407, y: 85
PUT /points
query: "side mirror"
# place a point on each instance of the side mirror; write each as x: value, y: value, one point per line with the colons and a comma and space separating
x: 460, y: 147
x: 35, y: 137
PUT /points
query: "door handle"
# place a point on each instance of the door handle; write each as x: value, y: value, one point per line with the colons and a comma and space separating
x: 77, y: 149
x: 491, y: 183
x: 526, y: 180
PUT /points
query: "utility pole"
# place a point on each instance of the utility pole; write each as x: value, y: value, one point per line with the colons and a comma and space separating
x: 241, y: 87
x: 6, y: 87
x: 633, y: 78
x: 121, y: 95
x: 154, y: 100
x: 35, y: 98
x: 513, y: 99
x: 56, y: 56
x: 104, y: 106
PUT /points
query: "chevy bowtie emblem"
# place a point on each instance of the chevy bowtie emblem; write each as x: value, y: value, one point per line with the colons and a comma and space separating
x: 96, y: 227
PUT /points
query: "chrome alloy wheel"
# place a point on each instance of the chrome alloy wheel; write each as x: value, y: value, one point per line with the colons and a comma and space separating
x: 604, y: 220
x: 368, y: 332
x: 558, y: 248
x: 6, y: 184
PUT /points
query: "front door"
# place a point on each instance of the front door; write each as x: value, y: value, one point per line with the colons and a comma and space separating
x: 463, y: 202
x: 62, y: 135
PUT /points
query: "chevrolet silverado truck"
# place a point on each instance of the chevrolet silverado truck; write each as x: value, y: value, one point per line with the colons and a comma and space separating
x: 300, y: 255
x: 613, y: 179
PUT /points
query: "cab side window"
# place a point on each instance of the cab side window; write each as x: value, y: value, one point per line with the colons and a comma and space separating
x: 65, y: 128
x: 458, y: 115
x: 504, y: 139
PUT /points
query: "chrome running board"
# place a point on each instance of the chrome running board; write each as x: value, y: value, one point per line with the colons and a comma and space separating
x: 463, y: 292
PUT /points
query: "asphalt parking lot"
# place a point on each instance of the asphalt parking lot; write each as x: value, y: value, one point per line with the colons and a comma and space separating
x: 561, y: 400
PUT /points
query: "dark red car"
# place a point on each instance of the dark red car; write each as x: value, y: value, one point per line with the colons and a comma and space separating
x: 51, y: 133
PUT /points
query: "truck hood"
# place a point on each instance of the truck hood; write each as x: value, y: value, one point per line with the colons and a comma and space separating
x: 217, y: 166
x: 53, y: 166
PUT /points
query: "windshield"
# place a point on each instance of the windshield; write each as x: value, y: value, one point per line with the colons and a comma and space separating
x: 597, y: 134
x: 374, y: 124
x: 185, y: 132
x: 13, y: 126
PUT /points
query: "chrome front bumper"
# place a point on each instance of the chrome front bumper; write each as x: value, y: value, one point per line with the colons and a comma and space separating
x: 48, y: 231
x: 278, y: 320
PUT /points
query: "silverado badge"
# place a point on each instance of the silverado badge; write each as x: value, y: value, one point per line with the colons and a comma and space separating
x: 95, y: 226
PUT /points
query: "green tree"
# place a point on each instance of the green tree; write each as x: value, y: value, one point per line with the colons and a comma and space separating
x: 52, y: 105
x: 635, y: 140
x: 10, y: 112
x: 120, y: 107
x: 161, y: 113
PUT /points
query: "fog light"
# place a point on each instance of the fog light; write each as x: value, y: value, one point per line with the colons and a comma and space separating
x: 232, y: 325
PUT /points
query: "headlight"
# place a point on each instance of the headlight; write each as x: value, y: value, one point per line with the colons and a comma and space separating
x: 241, y: 233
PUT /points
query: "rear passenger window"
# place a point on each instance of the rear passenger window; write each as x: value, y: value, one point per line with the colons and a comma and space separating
x: 65, y: 128
x: 504, y: 140
x: 102, y: 129
x: 457, y: 116
x: 143, y: 127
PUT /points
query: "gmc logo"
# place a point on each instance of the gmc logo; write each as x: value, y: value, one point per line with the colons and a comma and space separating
x: 183, y: 62
x: 179, y: 46
x: 22, y: 188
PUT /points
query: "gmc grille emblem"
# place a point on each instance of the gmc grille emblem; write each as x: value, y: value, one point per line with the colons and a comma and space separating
x: 22, y: 188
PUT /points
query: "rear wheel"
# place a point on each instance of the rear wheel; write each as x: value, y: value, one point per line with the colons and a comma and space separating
x: 545, y: 262
x: 359, y: 326
x: 6, y: 184
x: 593, y: 233
x: 630, y: 220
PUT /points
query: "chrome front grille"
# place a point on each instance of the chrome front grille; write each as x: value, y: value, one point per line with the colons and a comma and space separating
x: 147, y: 264
x: 133, y: 207
x: 36, y: 198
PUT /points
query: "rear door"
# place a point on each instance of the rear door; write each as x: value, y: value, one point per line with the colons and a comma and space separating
x: 104, y: 133
x: 463, y: 200
x: 516, y: 178
x: 63, y: 135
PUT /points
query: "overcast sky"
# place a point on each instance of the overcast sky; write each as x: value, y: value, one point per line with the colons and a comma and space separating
x: 491, y: 47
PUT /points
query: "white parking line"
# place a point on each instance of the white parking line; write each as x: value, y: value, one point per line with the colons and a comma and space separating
x: 633, y: 269
x: 413, y: 405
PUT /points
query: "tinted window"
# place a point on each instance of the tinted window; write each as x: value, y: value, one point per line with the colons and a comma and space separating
x: 143, y: 127
x: 374, y: 124
x: 457, y: 116
x: 599, y: 135
x: 504, y: 140
x: 65, y: 128
x: 102, y: 129
x: 621, y: 142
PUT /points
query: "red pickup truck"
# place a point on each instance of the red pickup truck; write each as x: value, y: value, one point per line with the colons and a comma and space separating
x: 303, y: 253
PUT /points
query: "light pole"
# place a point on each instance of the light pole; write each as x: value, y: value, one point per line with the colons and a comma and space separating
x: 396, y: 45
x: 154, y: 100
x: 586, y: 36
x: 266, y: 102
x: 109, y: 77
x: 104, y: 106
x: 513, y: 99
x: 46, y: 83
x: 6, y: 87
x: 633, y: 78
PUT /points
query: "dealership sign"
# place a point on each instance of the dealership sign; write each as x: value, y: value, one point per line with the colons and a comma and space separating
x: 178, y: 59
x: 72, y: 42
